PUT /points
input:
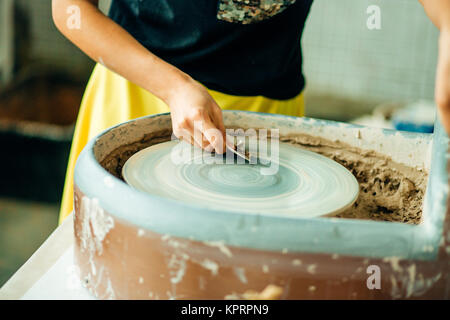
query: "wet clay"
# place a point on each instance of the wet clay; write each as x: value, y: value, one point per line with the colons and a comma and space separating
x: 389, y: 191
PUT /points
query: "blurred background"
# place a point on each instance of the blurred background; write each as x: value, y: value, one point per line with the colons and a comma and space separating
x: 372, y: 77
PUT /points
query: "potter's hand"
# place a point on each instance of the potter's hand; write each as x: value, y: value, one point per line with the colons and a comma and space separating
x: 108, y: 43
x: 196, y: 117
x: 442, y: 90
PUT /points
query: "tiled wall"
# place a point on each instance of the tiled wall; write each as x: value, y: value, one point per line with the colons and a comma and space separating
x: 343, y: 57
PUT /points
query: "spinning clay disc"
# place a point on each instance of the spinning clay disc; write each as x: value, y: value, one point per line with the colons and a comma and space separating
x: 297, y: 183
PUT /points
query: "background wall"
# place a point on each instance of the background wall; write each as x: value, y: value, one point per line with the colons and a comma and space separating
x: 344, y: 58
x: 6, y: 40
x: 47, y: 45
x: 351, y: 69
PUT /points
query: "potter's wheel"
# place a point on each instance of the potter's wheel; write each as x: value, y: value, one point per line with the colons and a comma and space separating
x: 305, y: 184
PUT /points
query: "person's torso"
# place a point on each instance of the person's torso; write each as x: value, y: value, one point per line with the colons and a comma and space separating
x: 239, y: 47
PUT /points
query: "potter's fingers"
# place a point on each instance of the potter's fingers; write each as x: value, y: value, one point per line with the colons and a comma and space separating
x: 191, y: 140
x: 217, y: 119
x: 186, y: 135
x: 182, y: 130
x: 214, y: 136
x: 209, y: 148
x: 199, y: 138
x: 195, y: 143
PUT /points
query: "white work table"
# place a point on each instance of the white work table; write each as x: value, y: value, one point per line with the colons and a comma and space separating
x: 50, y: 273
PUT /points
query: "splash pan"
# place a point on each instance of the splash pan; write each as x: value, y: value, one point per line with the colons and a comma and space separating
x: 134, y: 245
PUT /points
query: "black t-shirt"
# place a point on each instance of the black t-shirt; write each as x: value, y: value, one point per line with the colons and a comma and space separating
x: 238, y: 47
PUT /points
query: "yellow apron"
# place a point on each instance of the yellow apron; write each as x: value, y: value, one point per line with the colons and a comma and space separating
x: 110, y: 99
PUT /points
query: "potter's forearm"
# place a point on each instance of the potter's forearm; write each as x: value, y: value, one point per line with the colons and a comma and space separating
x: 108, y: 43
x: 439, y: 12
